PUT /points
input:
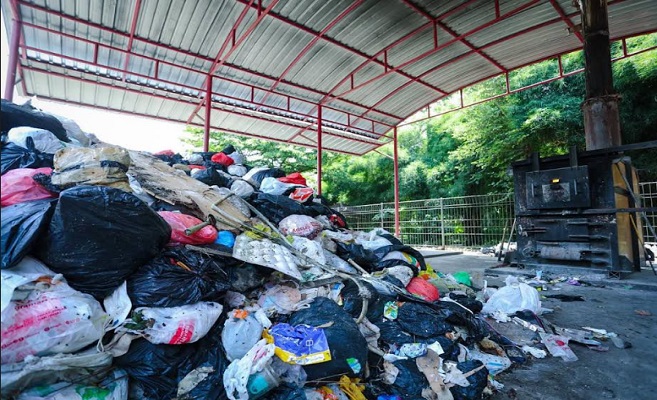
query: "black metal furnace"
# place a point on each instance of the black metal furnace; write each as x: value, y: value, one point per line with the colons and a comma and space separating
x: 575, y: 211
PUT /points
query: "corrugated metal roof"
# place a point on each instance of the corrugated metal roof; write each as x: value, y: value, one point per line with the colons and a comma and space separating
x: 370, y: 64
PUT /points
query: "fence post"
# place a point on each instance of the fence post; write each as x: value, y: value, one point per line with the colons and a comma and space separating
x: 381, y: 214
x: 442, y: 223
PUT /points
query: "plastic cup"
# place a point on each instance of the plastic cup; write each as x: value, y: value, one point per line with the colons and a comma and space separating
x: 261, y: 382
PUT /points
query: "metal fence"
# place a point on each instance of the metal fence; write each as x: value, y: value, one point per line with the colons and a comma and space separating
x: 459, y: 222
x: 463, y: 222
x: 649, y: 199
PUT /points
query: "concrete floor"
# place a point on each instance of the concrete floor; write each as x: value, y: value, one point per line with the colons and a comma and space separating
x: 616, y: 374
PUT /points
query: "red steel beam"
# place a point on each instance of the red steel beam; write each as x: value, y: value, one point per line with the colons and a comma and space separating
x: 221, y: 58
x: 319, y: 150
x: 310, y: 45
x: 342, y: 46
x: 208, y: 110
x: 567, y: 20
x: 396, y: 181
x: 12, y: 66
x: 133, y: 26
x: 447, y: 29
x: 178, y: 50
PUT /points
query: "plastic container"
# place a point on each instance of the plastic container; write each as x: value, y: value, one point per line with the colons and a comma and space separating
x: 261, y: 383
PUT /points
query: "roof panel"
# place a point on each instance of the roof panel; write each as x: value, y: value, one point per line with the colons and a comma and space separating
x: 282, y: 63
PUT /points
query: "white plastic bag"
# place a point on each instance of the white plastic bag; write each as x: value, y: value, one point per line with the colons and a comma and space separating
x: 300, y: 225
x: 311, y: 249
x: 240, y: 335
x: 113, y: 387
x: 28, y: 270
x: 117, y: 306
x: 53, y: 318
x: 242, y: 188
x: 513, y: 297
x: 44, y: 140
x: 47, y: 370
x: 178, y: 325
x: 237, y: 170
x: 271, y: 185
x: 237, y: 374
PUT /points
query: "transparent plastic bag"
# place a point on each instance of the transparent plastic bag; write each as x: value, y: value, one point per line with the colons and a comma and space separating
x: 515, y: 296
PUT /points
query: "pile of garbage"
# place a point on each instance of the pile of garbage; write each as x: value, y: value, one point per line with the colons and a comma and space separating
x: 130, y: 275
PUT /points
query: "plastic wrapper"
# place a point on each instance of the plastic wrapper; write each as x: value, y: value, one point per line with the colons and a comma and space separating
x: 174, y: 325
x: 300, y: 225
x: 271, y: 185
x: 179, y: 222
x: 23, y: 225
x: 300, y: 344
x: 44, y: 140
x: 18, y: 186
x: 99, y: 235
x: 53, y: 318
x: 105, y: 166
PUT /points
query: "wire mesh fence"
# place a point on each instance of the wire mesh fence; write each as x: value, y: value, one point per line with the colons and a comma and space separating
x: 649, y: 199
x: 460, y: 222
x: 463, y: 222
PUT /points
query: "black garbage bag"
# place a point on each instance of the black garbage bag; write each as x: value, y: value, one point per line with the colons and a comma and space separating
x: 259, y: 176
x: 210, y: 176
x: 287, y: 391
x: 478, y: 381
x: 410, y: 381
x: 156, y: 369
x: 422, y: 320
x: 22, y: 226
x: 178, y: 277
x: 468, y: 302
x: 274, y: 207
x: 352, y: 299
x: 171, y: 159
x: 159, y: 205
x: 99, y: 235
x: 243, y: 278
x: 347, y: 345
x: 363, y: 257
x: 14, y: 116
x: 13, y: 156
x: 383, y: 251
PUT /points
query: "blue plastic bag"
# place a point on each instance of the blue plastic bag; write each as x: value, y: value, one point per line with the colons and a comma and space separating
x: 301, y: 344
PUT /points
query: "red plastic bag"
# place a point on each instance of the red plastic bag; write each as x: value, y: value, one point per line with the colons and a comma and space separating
x: 294, y: 177
x: 169, y: 153
x: 302, y: 194
x: 194, y: 166
x: 423, y: 289
x: 221, y: 158
x: 179, y: 222
x: 19, y: 187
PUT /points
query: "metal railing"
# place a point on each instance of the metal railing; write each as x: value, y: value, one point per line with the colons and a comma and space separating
x: 459, y: 222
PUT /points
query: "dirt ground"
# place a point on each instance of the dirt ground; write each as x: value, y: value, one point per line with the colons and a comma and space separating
x: 617, y: 374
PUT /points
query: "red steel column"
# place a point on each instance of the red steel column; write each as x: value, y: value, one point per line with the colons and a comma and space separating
x: 319, y: 149
x: 396, y: 162
x: 208, y: 108
x: 13, y: 60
